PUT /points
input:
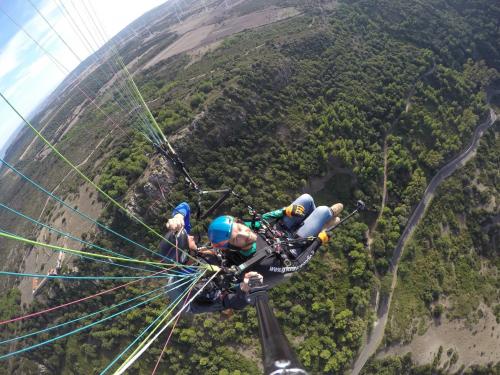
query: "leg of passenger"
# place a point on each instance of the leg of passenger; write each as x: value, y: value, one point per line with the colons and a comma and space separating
x: 308, y: 202
x: 313, y: 224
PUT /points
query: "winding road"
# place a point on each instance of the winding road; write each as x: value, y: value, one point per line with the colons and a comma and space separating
x: 377, y: 333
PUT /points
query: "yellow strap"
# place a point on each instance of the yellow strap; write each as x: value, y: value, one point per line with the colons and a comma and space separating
x: 210, y: 267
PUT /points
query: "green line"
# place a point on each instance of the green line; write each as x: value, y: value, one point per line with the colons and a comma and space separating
x: 85, y: 177
x: 70, y: 277
x: 207, y: 267
x: 153, y: 120
x: 165, y: 315
x: 78, y: 252
x: 145, y: 345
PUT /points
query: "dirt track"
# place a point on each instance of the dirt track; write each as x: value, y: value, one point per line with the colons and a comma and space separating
x: 378, y: 330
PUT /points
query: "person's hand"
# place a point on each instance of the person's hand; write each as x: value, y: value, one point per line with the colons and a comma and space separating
x: 296, y: 210
x: 244, y: 286
x: 176, y: 223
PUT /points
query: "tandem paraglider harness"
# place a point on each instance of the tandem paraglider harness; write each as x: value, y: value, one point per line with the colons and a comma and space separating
x: 278, y: 252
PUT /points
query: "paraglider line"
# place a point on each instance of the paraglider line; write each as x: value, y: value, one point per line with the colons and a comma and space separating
x: 74, y: 251
x: 92, y: 314
x: 169, y: 336
x: 32, y: 315
x: 66, y: 277
x: 165, y: 312
x: 65, y: 234
x: 39, y: 187
x: 79, y: 329
x: 88, y: 180
x: 145, y: 345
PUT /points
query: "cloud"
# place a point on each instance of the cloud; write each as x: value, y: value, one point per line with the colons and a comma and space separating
x: 20, y: 51
x: 128, y: 13
x: 12, y: 54
x: 28, y: 75
x: 34, y: 72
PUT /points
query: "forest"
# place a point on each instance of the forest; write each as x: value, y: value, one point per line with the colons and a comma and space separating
x: 320, y: 95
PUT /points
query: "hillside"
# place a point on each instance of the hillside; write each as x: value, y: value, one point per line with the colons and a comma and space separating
x: 275, y: 98
x: 445, y: 307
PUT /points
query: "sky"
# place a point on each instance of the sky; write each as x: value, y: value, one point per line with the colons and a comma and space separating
x: 27, y: 73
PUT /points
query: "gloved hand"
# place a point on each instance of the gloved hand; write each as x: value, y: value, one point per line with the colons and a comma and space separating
x: 244, y: 286
x: 296, y: 210
x: 176, y: 223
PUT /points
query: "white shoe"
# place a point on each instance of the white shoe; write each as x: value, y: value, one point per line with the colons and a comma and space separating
x: 337, y: 209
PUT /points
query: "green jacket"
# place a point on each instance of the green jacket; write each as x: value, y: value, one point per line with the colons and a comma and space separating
x: 257, y: 224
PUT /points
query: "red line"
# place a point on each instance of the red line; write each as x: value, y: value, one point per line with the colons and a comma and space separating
x: 73, y: 302
x: 77, y: 85
x: 170, y: 334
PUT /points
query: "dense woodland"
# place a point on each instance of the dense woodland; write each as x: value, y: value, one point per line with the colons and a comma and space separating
x: 317, y: 96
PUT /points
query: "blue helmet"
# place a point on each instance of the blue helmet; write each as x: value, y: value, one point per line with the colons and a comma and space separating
x: 219, y: 231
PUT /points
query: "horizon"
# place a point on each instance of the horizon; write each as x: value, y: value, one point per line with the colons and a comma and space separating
x: 26, y: 68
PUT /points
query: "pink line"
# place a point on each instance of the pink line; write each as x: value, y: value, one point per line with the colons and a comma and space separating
x: 77, y: 85
x: 170, y: 334
x: 73, y: 302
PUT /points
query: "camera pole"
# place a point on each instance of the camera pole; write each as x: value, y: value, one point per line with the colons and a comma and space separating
x: 278, y: 356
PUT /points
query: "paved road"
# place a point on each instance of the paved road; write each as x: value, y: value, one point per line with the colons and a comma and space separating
x: 377, y: 333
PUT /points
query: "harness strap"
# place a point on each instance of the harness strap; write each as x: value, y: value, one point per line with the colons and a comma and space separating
x: 257, y: 258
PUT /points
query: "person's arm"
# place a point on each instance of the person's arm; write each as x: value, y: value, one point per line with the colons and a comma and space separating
x: 276, y: 214
x: 289, y: 211
x: 180, y: 218
x: 257, y: 224
x: 183, y: 209
x: 236, y: 299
